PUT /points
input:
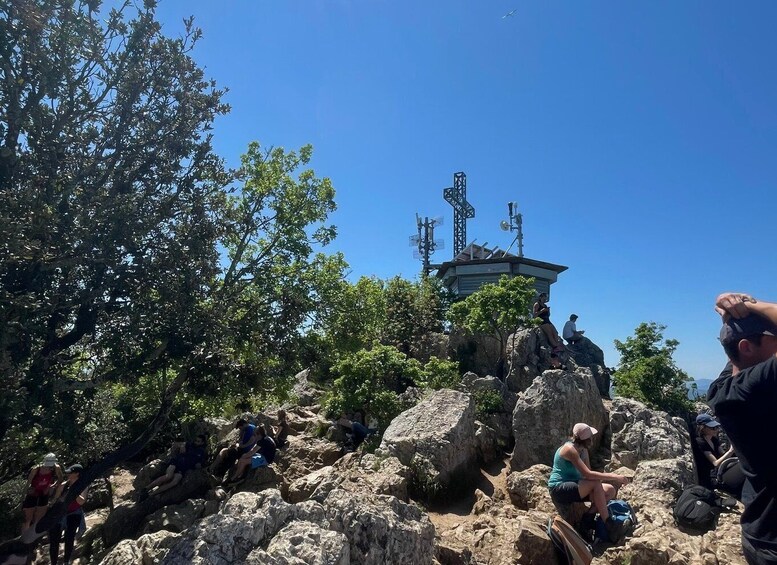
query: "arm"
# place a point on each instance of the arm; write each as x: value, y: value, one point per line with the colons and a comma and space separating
x: 31, y: 476
x: 738, y: 305
x: 569, y: 453
x: 715, y: 462
x: 81, y: 498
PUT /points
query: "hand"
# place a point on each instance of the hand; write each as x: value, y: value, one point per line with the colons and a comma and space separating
x: 623, y: 480
x: 733, y: 304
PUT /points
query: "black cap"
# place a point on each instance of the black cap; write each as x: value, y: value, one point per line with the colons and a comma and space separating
x: 74, y: 469
x: 741, y: 328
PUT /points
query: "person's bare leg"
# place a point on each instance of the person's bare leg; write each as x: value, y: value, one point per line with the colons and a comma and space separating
x: 550, y: 333
x: 166, y: 478
x: 595, y: 492
x: 29, y: 517
x: 39, y: 512
x: 173, y: 483
x: 610, y: 491
x: 240, y: 470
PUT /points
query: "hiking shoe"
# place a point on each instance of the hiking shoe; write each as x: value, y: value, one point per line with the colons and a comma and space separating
x: 613, y: 530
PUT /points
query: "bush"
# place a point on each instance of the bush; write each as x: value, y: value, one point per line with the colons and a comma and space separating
x: 441, y: 373
x: 487, y: 402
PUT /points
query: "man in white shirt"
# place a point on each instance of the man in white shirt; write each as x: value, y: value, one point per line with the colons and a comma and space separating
x: 570, y: 333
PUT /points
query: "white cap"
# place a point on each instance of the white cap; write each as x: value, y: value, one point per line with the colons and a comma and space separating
x: 50, y: 460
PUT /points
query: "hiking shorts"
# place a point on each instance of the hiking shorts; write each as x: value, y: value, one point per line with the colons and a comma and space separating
x: 258, y: 461
x: 33, y: 500
x: 565, y: 493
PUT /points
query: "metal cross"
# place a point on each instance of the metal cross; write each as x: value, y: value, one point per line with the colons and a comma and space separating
x: 456, y: 196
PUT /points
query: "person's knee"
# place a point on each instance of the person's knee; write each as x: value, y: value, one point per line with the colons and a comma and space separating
x: 609, y: 491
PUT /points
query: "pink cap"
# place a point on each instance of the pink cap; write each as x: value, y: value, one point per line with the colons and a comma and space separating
x: 584, y: 431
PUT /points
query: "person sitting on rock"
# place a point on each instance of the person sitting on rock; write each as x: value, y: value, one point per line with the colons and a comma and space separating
x: 73, y: 519
x: 570, y: 331
x: 229, y: 455
x: 40, y: 482
x: 282, y: 431
x: 572, y: 479
x: 185, y: 457
x: 542, y: 311
x: 260, y: 455
x: 358, y: 431
x: 716, y: 468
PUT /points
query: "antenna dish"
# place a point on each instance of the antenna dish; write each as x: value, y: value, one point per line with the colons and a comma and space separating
x: 504, y: 225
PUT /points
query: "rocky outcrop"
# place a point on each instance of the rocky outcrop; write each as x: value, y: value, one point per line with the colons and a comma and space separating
x: 147, y: 549
x: 435, y: 439
x: 546, y: 412
x: 175, y: 518
x: 525, y: 358
x: 529, y: 488
x: 369, y: 530
x: 305, y: 392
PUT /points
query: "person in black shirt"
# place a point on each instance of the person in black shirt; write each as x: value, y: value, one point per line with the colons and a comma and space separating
x: 260, y: 455
x: 744, y: 400
x: 710, y: 452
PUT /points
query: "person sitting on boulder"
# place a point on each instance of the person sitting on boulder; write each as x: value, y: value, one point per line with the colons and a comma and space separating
x: 282, y: 431
x: 572, y: 479
x: 40, y: 483
x: 542, y: 311
x: 570, y: 331
x: 358, y: 431
x: 260, y: 455
x: 229, y: 455
x: 73, y: 519
x: 185, y: 457
x: 716, y: 467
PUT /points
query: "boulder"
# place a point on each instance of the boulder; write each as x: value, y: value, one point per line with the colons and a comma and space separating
x: 175, y: 518
x: 487, y: 442
x: 146, y: 550
x: 381, y: 529
x: 304, y: 391
x: 435, y: 438
x: 641, y: 434
x: 304, y: 487
x: 586, y: 353
x: 149, y: 472
x: 528, y: 489
x: 259, y: 479
x: 303, y: 543
x: 100, y: 495
x: 546, y: 412
x: 127, y: 518
x: 524, y: 358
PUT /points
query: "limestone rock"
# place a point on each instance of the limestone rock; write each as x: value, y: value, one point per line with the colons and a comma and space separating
x: 639, y: 434
x: 149, y: 549
x: 487, y: 442
x: 529, y: 489
x: 546, y: 412
x: 175, y: 518
x: 436, y: 436
x: 381, y: 529
x: 305, y: 392
x: 523, y: 359
x: 100, y: 495
x: 148, y: 473
x: 303, y: 488
x: 303, y: 543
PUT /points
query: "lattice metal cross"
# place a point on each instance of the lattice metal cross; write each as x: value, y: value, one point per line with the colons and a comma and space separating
x: 456, y: 196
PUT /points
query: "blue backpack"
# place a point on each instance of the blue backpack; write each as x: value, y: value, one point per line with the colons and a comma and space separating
x: 624, y: 520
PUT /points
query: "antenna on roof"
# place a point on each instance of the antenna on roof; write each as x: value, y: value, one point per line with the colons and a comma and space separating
x: 515, y: 224
x: 425, y: 242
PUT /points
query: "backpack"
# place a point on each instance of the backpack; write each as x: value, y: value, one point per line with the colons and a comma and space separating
x: 623, y: 522
x: 697, y: 509
x: 568, y: 542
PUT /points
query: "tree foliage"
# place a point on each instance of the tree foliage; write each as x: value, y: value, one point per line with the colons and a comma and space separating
x: 114, y: 215
x: 647, y: 372
x: 496, y: 309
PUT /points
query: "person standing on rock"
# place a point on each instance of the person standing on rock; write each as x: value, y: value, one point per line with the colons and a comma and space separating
x: 744, y: 399
x: 570, y: 331
x: 72, y: 520
x: 572, y: 479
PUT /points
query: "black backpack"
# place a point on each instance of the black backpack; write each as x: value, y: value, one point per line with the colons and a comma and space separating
x: 697, y: 509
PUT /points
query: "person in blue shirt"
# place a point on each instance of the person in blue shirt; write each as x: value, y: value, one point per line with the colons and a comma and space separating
x: 260, y: 455
x: 229, y: 455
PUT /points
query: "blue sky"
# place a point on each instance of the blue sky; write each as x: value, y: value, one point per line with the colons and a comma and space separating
x: 638, y: 138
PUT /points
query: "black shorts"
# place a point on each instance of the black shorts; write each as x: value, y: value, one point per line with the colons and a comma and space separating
x: 565, y: 493
x: 34, y: 500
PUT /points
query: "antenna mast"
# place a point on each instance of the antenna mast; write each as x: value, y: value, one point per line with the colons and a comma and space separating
x: 425, y: 242
x: 516, y: 225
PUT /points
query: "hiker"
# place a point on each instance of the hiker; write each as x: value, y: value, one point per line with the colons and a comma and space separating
x: 231, y: 454
x: 717, y: 469
x: 570, y: 331
x: 282, y: 431
x: 184, y: 457
x: 40, y: 483
x: 73, y: 520
x: 260, y: 455
x: 358, y: 431
x: 542, y: 311
x: 572, y: 479
x: 743, y: 399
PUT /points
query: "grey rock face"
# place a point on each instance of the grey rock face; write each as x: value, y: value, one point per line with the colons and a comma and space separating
x: 546, y: 412
x: 435, y: 435
x: 303, y: 543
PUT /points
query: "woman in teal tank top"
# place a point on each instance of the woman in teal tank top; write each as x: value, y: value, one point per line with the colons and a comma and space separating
x: 572, y: 479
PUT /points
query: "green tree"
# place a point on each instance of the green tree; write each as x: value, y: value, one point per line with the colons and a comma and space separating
x: 647, y: 372
x: 114, y: 211
x: 496, y: 310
